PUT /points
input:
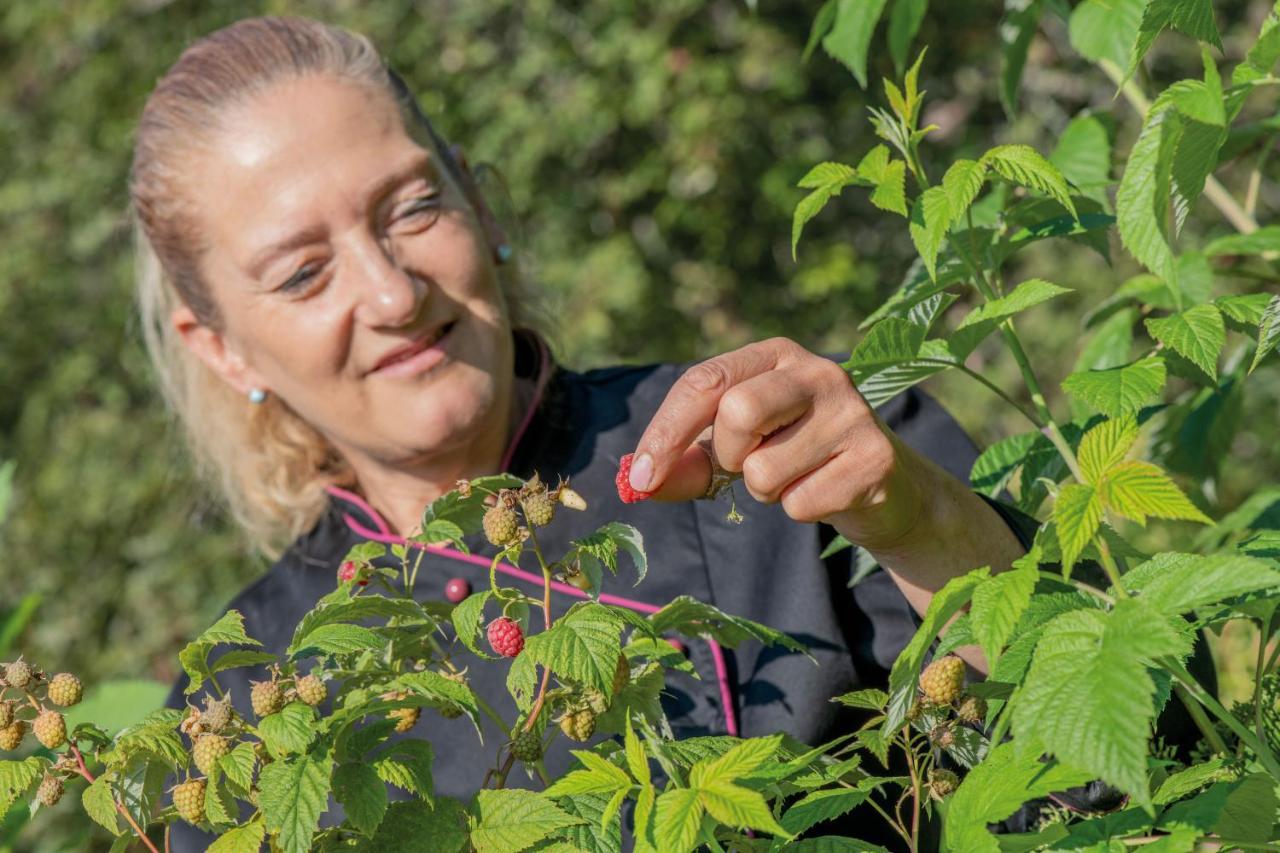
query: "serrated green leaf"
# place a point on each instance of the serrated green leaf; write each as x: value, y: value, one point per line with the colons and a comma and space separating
x: 884, y: 382
x: 904, y: 22
x: 1027, y: 294
x: 362, y: 794
x: 1017, y: 28
x: 890, y: 342
x: 583, y: 647
x: 945, y: 603
x: 407, y: 765
x: 1088, y: 697
x: 869, y: 699
x: 1143, y: 197
x: 1268, y: 332
x: 289, y: 730
x: 678, y: 814
x: 1197, y: 334
x: 996, y: 789
x: 510, y: 820
x: 293, y: 794
x: 228, y: 629
x: 1265, y: 239
x: 850, y: 35
x: 466, y: 621
x: 961, y: 185
x: 1026, y: 167
x: 354, y: 610
x: 831, y: 174
x: 741, y: 808
x: 238, y: 765
x: 995, y: 466
x: 605, y: 543
x: 1119, y: 390
x: 1083, y: 151
x: 890, y: 192
x: 1077, y: 513
x: 1190, y: 17
x: 1174, y: 583
x: 998, y: 604
x: 240, y: 657
x: 737, y: 762
x: 337, y: 640
x: 602, y: 832
x: 930, y: 219
x: 597, y: 777
x: 241, y: 839
x: 1105, y: 445
x: 1137, y: 489
x: 637, y: 758
x: 821, y: 26
x: 819, y: 806
x: 414, y: 825
x: 99, y: 803
x: 693, y: 618
x: 1191, y: 779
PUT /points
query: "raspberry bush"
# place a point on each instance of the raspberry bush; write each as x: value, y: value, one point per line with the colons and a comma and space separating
x: 1085, y: 640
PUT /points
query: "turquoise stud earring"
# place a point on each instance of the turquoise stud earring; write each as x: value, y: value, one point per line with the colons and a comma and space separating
x: 257, y: 395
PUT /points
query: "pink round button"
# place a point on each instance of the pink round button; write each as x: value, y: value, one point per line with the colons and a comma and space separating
x: 457, y: 589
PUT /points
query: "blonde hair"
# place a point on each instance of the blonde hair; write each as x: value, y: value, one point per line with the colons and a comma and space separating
x: 269, y: 464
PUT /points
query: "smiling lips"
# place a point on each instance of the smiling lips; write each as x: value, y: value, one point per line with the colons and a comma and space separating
x: 416, y: 356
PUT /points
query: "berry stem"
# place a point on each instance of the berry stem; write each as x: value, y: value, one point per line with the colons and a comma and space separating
x: 137, y: 830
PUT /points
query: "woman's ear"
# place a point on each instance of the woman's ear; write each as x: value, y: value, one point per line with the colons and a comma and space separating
x: 212, y: 347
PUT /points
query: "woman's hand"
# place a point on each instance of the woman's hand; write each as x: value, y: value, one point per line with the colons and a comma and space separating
x: 800, y: 434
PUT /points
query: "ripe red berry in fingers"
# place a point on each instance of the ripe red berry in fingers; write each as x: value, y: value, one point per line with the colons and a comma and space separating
x: 506, y: 637
x: 627, y: 494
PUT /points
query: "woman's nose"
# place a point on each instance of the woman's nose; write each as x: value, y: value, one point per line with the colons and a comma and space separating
x: 388, y: 294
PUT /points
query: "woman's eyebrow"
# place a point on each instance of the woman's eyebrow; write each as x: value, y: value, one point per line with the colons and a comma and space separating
x: 412, y: 168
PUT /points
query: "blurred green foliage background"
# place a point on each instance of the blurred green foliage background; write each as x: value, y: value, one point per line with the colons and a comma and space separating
x: 650, y: 150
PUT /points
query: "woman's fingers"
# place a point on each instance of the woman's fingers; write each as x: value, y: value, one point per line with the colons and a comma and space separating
x: 755, y: 409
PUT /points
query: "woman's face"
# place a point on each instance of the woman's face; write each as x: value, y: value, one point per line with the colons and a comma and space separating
x: 353, y: 278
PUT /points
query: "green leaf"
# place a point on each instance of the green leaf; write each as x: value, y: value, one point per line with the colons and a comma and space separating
x: 605, y: 543
x: 362, y: 794
x: 1077, y: 513
x: 1017, y: 28
x: 1137, y: 489
x: 337, y: 640
x: 1118, y: 390
x: 998, y: 604
x: 1105, y: 445
x: 930, y: 219
x: 598, y: 777
x: 241, y: 839
x: 407, y: 765
x: 819, y: 806
x: 904, y: 23
x: 869, y: 699
x: 99, y: 804
x: 1190, y: 17
x: 637, y: 758
x: 1106, y: 29
x: 945, y: 603
x: 693, y: 618
x: 1026, y: 295
x: 890, y: 342
x: 1265, y: 239
x: 237, y: 766
x: 678, y: 814
x: 890, y: 192
x: 512, y: 819
x: 1174, y: 584
x: 741, y: 808
x: 466, y: 621
x: 1143, y: 197
x: 1191, y: 779
x: 827, y: 180
x: 354, y: 610
x: 1026, y: 167
x: 194, y: 657
x: 292, y: 795
x: 1088, y: 696
x: 1197, y: 334
x: 961, y: 185
x: 240, y: 657
x: 1245, y: 808
x: 821, y: 26
x: 997, y: 788
x: 882, y: 383
x: 740, y: 761
x: 413, y: 825
x: 583, y: 646
x: 995, y: 466
x: 602, y: 832
x: 1083, y: 151
x: 463, y: 512
x: 850, y: 35
x: 1263, y: 55
x: 1268, y: 332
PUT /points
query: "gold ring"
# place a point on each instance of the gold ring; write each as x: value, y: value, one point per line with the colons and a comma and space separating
x: 720, y: 478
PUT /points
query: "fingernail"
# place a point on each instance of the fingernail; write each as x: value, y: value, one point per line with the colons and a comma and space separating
x: 641, y: 472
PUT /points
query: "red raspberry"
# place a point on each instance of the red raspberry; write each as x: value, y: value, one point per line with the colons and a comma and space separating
x: 627, y: 494
x: 506, y: 637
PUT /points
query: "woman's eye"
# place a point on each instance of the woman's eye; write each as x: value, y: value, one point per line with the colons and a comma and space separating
x: 301, y: 277
x: 427, y: 204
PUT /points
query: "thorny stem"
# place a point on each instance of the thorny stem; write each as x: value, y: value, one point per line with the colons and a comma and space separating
x: 1214, y: 191
x: 137, y: 830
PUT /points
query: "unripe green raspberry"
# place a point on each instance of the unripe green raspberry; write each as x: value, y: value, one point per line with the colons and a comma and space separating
x: 216, y: 716
x: 942, y: 736
x: 266, y: 697
x: 942, y: 783
x: 12, y: 734
x: 500, y: 525
x: 50, y: 729
x: 6, y: 713
x: 579, y: 723
x: 208, y: 749
x: 18, y: 674
x: 311, y: 690
x: 942, y: 680
x: 65, y: 690
x: 188, y: 799
x: 539, y: 509
x: 50, y: 790
x: 527, y: 747
x: 973, y: 709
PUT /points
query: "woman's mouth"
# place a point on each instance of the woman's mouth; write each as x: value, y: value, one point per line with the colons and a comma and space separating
x: 418, y: 357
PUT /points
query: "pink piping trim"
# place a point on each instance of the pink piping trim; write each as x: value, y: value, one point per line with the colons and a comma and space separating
x: 384, y: 534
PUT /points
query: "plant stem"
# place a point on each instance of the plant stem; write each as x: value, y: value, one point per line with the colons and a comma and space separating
x: 137, y: 830
x: 1080, y: 585
x: 1260, y: 670
x: 1255, y: 178
x: 1202, y: 722
x: 1214, y: 191
x: 1260, y: 748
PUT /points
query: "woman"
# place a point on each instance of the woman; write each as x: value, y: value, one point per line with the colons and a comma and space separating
x: 337, y: 320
